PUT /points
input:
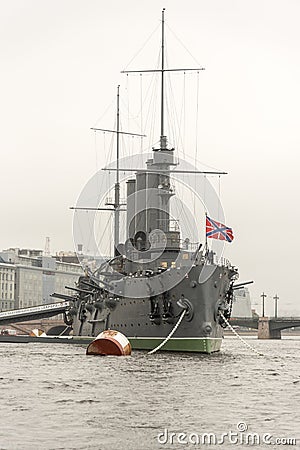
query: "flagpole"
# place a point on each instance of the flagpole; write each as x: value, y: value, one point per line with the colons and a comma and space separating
x: 206, y: 243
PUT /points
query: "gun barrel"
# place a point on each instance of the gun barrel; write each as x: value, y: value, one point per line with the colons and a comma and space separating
x: 241, y: 285
x: 94, y: 286
x: 62, y: 296
x: 84, y: 291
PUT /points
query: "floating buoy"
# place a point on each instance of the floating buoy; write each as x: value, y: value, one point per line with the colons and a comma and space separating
x: 37, y: 332
x: 109, y: 342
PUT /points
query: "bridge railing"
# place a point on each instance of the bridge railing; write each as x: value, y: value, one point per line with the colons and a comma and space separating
x: 34, y: 310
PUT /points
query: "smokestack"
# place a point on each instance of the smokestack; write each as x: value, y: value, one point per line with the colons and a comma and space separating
x: 131, y: 186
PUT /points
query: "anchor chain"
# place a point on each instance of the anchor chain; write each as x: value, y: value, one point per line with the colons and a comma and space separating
x: 238, y: 336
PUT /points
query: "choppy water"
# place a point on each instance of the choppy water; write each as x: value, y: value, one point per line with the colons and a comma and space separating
x: 56, y: 397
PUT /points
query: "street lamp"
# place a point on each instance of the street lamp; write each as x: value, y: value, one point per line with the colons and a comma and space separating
x: 263, y: 295
x: 276, y: 298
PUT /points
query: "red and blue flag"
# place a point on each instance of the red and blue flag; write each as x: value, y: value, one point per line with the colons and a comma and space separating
x: 217, y: 230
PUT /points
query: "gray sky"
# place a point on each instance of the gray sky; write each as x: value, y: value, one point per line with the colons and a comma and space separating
x: 60, y: 64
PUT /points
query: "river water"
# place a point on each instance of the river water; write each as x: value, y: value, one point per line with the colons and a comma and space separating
x: 56, y: 397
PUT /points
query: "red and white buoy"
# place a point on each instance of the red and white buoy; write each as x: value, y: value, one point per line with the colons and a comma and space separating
x: 109, y: 342
x: 37, y: 332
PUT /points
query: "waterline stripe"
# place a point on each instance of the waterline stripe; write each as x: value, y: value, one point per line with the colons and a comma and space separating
x: 173, y: 339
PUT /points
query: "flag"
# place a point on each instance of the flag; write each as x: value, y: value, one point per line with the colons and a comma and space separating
x: 217, y: 230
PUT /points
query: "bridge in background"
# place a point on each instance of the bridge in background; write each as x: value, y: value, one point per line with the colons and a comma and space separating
x: 268, y: 327
x: 33, y: 313
x: 50, y: 326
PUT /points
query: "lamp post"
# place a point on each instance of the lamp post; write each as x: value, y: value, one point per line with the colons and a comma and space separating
x: 276, y: 298
x: 263, y: 295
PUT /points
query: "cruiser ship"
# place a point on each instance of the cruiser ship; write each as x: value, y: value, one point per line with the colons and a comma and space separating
x: 158, y: 289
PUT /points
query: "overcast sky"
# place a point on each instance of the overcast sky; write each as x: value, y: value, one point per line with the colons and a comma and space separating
x: 60, y: 65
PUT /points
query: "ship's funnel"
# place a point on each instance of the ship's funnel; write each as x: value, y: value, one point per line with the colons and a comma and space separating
x: 131, y: 199
x: 141, y: 202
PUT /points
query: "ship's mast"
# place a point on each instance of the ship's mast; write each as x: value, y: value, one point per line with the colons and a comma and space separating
x: 117, y: 184
x: 162, y: 70
x: 116, y: 204
x: 162, y: 76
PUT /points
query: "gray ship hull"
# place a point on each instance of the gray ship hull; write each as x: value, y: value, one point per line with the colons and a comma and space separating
x: 200, y: 330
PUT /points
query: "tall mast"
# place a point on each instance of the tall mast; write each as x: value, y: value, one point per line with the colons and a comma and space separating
x: 161, y: 70
x: 116, y: 205
x: 117, y: 184
x: 162, y: 74
x: 118, y: 132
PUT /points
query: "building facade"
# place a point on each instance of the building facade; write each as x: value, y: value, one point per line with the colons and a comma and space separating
x: 241, y: 306
x: 7, y: 285
x: 28, y: 278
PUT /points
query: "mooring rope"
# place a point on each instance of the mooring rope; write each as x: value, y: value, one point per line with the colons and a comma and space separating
x: 238, y: 336
x: 169, y: 335
x: 65, y: 329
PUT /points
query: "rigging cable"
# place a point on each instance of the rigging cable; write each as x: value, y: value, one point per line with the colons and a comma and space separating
x: 141, y: 88
x: 128, y: 109
x: 197, y: 117
x: 204, y: 193
x: 96, y: 157
x: 184, y: 116
x: 175, y: 122
x: 143, y: 46
x: 154, y: 97
x: 91, y: 226
x: 219, y: 194
x: 181, y: 43
x: 103, y: 235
